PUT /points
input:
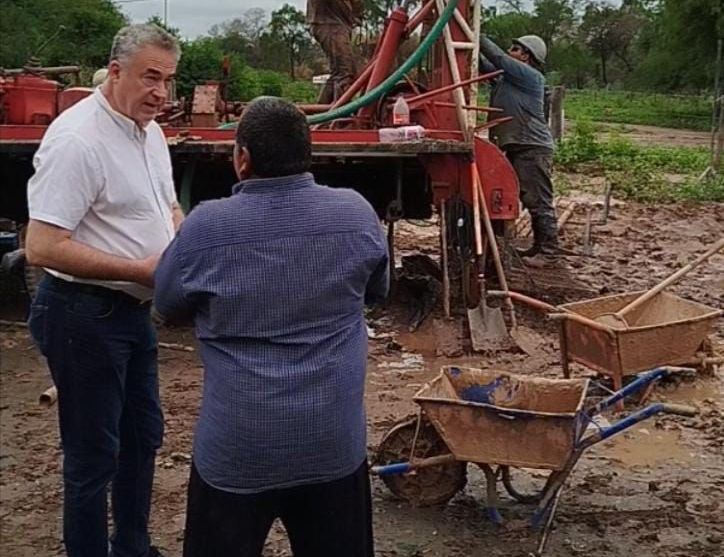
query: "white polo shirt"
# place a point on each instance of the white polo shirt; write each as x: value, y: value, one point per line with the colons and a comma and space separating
x: 109, y: 182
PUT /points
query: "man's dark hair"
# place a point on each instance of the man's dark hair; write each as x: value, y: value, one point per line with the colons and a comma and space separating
x: 276, y: 134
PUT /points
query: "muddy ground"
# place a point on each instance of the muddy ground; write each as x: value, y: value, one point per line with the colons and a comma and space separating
x: 654, y: 491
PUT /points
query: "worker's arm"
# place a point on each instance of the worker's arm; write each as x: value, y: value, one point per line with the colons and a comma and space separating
x: 515, y: 71
x: 51, y: 246
x: 169, y: 298
x: 484, y: 65
x: 378, y: 285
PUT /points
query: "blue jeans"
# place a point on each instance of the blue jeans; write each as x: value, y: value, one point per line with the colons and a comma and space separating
x: 101, y: 350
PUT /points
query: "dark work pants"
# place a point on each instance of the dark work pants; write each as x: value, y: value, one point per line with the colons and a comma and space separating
x: 332, y: 519
x: 534, y: 165
x: 336, y: 42
x: 101, y: 350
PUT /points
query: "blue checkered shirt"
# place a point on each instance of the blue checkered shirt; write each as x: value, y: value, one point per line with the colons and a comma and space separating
x: 275, y: 278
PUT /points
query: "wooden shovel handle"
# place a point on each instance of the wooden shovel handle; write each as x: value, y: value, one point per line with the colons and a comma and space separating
x: 480, y: 194
x: 670, y: 280
x: 476, y: 223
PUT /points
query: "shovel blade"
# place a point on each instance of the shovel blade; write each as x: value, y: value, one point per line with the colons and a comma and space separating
x: 526, y: 339
x: 487, y: 329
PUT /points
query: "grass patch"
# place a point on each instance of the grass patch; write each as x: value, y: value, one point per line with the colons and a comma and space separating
x: 641, y: 173
x: 627, y: 107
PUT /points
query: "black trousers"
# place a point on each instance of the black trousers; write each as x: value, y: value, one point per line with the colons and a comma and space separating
x: 332, y: 519
x: 533, y: 165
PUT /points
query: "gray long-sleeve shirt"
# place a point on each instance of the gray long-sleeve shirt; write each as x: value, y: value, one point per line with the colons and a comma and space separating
x: 519, y: 92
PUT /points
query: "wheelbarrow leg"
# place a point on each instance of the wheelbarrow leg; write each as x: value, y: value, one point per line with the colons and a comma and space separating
x: 553, y: 486
x: 564, y: 349
x: 549, y: 523
x: 491, y: 505
x: 617, y: 386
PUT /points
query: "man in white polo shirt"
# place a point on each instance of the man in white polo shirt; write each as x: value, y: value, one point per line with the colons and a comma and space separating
x: 102, y: 209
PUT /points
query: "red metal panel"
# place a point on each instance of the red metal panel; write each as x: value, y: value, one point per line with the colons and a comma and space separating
x: 22, y: 133
x: 500, y: 183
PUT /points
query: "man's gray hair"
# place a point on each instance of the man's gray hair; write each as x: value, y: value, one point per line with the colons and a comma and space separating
x: 132, y: 38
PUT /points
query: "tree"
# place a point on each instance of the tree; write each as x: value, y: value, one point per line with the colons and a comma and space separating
x: 202, y: 60
x: 503, y: 28
x: 553, y: 19
x: 678, y: 44
x: 83, y: 31
x: 157, y: 21
x: 243, y: 34
x: 289, y: 25
x: 607, y: 31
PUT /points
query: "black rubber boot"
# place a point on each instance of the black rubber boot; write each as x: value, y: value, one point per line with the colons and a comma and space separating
x: 545, y: 237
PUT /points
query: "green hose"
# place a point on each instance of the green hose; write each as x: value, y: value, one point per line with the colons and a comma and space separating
x: 388, y: 83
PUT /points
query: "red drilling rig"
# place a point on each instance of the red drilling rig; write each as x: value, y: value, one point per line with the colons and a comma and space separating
x: 406, y: 177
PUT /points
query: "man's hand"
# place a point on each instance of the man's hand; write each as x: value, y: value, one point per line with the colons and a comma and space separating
x: 146, y: 269
x: 177, y: 215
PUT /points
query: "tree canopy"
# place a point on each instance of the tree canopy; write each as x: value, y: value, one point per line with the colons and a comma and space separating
x: 665, y: 45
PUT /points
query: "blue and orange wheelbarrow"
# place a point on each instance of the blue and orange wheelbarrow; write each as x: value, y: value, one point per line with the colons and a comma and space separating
x: 500, y: 421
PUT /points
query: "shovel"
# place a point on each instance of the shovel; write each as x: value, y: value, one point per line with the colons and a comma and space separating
x: 618, y: 319
x: 525, y: 339
x: 487, y: 326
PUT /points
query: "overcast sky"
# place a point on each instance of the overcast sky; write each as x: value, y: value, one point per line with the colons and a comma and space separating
x: 195, y: 17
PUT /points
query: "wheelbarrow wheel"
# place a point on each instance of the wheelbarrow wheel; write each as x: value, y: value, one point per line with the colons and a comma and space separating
x: 517, y: 495
x: 434, y: 485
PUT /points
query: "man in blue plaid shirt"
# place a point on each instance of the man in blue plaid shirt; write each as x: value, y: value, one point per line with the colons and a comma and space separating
x: 276, y: 277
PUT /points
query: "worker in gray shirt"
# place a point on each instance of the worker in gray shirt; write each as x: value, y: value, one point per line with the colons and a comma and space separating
x: 526, y: 139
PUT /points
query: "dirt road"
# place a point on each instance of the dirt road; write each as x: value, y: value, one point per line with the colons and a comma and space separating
x: 654, y: 492
x: 654, y: 135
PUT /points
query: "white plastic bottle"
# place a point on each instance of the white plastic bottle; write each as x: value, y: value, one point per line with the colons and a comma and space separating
x: 400, y: 112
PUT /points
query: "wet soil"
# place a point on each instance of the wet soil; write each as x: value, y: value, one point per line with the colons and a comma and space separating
x: 655, y: 490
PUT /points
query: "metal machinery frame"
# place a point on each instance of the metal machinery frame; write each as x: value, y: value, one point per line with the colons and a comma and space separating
x: 401, y: 179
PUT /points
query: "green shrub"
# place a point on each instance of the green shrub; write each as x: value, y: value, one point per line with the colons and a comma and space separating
x: 246, y: 85
x: 272, y: 83
x: 640, y: 172
x: 579, y: 147
x: 300, y: 91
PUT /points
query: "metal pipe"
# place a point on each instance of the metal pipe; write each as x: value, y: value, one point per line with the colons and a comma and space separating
x: 435, y: 92
x: 419, y: 16
x: 443, y: 259
x: 353, y: 89
x: 385, y: 58
x: 468, y: 107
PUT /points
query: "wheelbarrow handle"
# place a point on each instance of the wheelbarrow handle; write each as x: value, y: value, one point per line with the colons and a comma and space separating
x: 416, y: 464
x: 680, y: 410
x: 554, y: 312
x: 633, y: 419
x: 636, y: 385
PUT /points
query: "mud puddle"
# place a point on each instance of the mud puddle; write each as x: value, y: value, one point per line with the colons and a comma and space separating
x: 645, y: 445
